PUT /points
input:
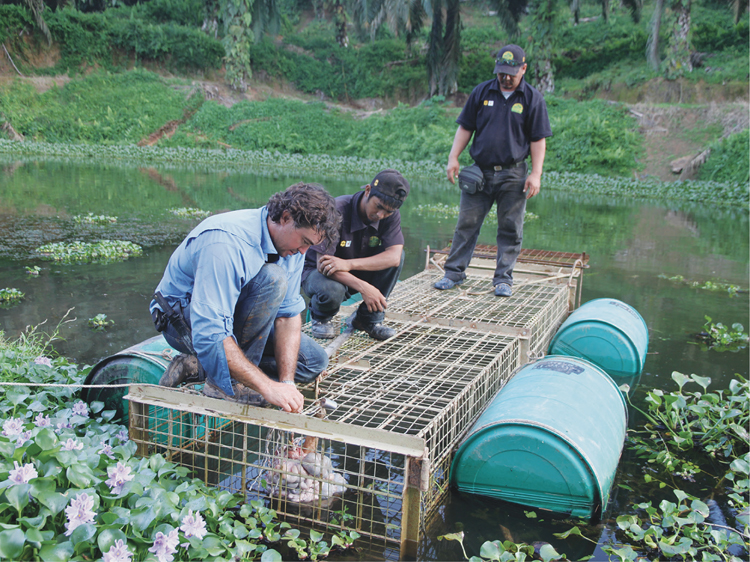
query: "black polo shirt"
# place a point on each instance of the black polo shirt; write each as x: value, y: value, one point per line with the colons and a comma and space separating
x: 504, y: 129
x: 358, y: 240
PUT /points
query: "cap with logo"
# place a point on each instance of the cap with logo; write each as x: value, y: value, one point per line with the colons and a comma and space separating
x: 509, y: 60
x: 391, y: 187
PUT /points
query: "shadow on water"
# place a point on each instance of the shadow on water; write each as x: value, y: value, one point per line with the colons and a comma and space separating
x: 633, y: 246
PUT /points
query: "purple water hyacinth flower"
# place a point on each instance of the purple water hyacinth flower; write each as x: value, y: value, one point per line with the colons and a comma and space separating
x: 22, y: 474
x: 80, y: 408
x: 22, y: 438
x: 107, y: 450
x: 118, y: 475
x: 122, y: 435
x: 12, y: 426
x: 42, y: 421
x: 41, y: 360
x: 164, y: 546
x: 193, y: 525
x: 118, y: 552
x: 79, y: 512
x: 72, y: 445
x: 62, y: 426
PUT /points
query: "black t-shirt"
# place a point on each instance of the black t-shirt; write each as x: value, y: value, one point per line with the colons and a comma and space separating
x: 504, y: 129
x: 358, y: 240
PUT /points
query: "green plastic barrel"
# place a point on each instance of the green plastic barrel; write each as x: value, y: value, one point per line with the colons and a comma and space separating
x: 607, y: 332
x: 550, y: 439
x: 142, y: 363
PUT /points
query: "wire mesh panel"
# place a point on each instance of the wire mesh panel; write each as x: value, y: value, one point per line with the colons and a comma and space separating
x: 534, y: 312
x: 314, y: 472
x: 429, y: 381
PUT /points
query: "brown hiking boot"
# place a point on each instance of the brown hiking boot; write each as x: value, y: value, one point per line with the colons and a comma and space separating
x: 181, y: 369
x: 242, y: 394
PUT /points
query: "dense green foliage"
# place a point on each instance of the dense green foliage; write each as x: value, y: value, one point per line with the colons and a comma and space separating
x: 101, y: 38
x: 101, y: 108
x: 315, y: 63
x: 728, y: 160
x: 72, y: 487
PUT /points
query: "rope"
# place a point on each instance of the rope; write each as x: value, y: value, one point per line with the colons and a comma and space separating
x: 43, y: 384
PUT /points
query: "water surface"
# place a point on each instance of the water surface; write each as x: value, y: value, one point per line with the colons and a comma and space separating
x: 632, y: 245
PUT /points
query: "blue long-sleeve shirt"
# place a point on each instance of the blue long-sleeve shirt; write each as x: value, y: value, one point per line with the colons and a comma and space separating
x: 208, y: 270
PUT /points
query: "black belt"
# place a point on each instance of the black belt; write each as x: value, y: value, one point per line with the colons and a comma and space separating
x: 507, y: 166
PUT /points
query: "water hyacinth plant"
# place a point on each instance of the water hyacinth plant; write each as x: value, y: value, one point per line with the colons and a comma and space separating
x: 71, y: 486
x: 103, y: 251
x: 33, y: 271
x: 718, y: 337
x: 100, y: 322
x: 91, y: 218
x: 190, y: 213
x: 10, y: 296
x: 450, y: 212
x: 715, y: 286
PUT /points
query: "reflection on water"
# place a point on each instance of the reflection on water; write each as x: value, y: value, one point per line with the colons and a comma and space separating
x: 631, y: 244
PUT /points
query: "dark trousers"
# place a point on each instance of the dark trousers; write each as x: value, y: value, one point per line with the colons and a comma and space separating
x: 326, y: 295
x: 506, y: 189
x: 254, y: 316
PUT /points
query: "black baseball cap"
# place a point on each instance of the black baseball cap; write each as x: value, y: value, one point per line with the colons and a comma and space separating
x: 509, y: 60
x: 391, y: 187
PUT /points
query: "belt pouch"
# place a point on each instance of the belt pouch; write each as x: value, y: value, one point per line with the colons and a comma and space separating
x: 471, y: 179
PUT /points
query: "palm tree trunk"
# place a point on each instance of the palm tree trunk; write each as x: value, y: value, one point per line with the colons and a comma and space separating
x: 679, y: 47
x: 652, y: 46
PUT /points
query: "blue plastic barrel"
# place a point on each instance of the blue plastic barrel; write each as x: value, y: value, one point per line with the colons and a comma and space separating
x: 607, y: 332
x: 550, y: 439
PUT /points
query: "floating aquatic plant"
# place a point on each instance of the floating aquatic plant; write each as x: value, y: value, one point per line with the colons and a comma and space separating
x: 91, y: 218
x: 10, y: 296
x: 716, y: 286
x: 85, y: 252
x: 33, y: 271
x: 100, y: 322
x: 450, y: 212
x: 190, y: 213
x: 718, y: 337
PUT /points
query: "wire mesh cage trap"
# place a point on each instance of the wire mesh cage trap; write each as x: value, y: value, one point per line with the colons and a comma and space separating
x: 379, y: 462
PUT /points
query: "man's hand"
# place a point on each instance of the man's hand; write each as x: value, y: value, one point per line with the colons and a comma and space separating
x: 328, y: 265
x: 373, y: 298
x: 285, y: 396
x: 452, y: 169
x: 532, y: 185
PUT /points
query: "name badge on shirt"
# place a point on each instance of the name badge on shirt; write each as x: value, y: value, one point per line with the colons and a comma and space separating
x: 517, y: 108
x: 345, y: 243
x: 489, y: 103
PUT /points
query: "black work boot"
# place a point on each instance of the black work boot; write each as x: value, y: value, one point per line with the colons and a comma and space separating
x: 183, y: 368
x: 377, y: 331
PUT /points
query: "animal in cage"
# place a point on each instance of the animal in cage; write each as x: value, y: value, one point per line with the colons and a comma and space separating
x: 301, y: 474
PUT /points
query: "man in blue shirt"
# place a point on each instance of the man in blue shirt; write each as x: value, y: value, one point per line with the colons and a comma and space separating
x: 235, y: 280
x: 508, y: 119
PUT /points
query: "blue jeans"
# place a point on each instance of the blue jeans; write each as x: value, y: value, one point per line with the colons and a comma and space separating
x: 506, y: 189
x: 326, y: 295
x: 254, y: 316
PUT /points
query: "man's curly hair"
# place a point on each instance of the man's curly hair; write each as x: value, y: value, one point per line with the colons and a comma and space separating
x: 310, y: 206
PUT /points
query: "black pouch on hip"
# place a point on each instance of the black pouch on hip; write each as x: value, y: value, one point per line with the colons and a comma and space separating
x: 471, y: 179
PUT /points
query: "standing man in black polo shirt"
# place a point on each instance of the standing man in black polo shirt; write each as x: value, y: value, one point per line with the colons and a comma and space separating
x: 367, y: 260
x: 509, y: 121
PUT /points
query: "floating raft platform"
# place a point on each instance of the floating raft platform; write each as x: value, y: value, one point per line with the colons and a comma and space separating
x: 404, y: 404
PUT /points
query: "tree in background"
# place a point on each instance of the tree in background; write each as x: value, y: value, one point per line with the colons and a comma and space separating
x: 545, y: 19
x: 244, y: 21
x: 679, y: 47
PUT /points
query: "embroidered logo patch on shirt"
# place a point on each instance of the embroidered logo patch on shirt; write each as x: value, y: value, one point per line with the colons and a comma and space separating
x: 517, y: 108
x: 374, y: 241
